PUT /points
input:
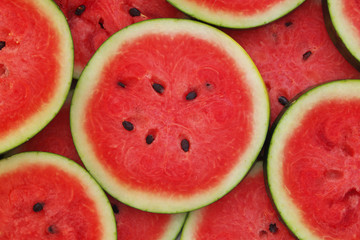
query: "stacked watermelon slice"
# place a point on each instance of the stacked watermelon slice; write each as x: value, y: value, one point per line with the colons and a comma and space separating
x: 168, y: 115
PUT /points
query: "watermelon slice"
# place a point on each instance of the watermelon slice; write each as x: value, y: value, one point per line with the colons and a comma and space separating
x: 161, y: 123
x: 54, y: 138
x: 46, y: 196
x: 343, y: 24
x: 93, y: 21
x: 36, y: 65
x: 294, y: 53
x: 313, y: 163
x: 134, y: 224
x: 237, y: 13
x: 245, y: 213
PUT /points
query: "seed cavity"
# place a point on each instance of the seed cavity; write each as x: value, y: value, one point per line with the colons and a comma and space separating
x: 79, y: 10
x: 185, y: 145
x: 121, y: 84
x: 262, y: 233
x: 158, y: 88
x: 128, y: 125
x: 306, y: 55
x: 283, y: 100
x: 273, y: 228
x: 288, y: 24
x: 2, y: 44
x: 115, y: 209
x: 52, y: 229
x: 134, y: 12
x: 101, y: 23
x: 38, y: 207
x: 149, y: 139
x: 191, y: 95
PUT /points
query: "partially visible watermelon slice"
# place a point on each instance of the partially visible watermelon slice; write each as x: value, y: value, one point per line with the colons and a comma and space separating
x: 161, y: 123
x: 313, y: 164
x: 245, y: 213
x: 237, y: 13
x: 294, y: 53
x: 46, y: 196
x: 134, y: 224
x: 54, y: 138
x: 36, y: 65
x: 343, y: 24
x: 93, y: 21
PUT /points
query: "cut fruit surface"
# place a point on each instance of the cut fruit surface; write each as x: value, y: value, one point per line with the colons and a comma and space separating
x: 313, y: 163
x: 169, y: 130
x: 44, y: 196
x: 245, y: 213
x: 343, y: 24
x: 36, y: 65
x: 294, y: 53
x: 93, y: 21
x: 237, y: 13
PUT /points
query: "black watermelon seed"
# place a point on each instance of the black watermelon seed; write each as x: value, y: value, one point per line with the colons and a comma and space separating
x: 185, y: 145
x: 273, y: 228
x: 2, y: 44
x: 306, y: 55
x: 128, y: 125
x: 134, y: 12
x: 101, y: 23
x: 38, y: 207
x: 115, y: 209
x: 283, y: 100
x: 288, y: 24
x: 121, y: 84
x: 191, y: 95
x: 52, y: 229
x: 149, y: 139
x: 208, y: 84
x: 79, y: 10
x: 158, y: 88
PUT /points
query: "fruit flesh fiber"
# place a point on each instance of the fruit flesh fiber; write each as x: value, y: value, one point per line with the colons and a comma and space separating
x: 321, y: 169
x: 294, y: 53
x: 221, y: 106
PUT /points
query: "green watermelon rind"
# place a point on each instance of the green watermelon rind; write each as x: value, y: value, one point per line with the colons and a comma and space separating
x: 93, y: 189
x: 155, y: 202
x: 341, y: 31
x: 290, y: 119
x: 38, y: 121
x: 194, y: 218
x: 176, y: 224
x: 228, y: 20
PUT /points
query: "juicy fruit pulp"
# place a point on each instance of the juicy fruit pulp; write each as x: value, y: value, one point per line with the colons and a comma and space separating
x: 47, y: 196
x: 294, y: 53
x: 93, y: 21
x: 35, y: 67
x: 206, y: 127
x: 315, y: 159
x: 244, y: 213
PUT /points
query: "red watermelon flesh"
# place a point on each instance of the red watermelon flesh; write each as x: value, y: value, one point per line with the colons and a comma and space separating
x: 294, y: 53
x: 134, y: 224
x: 65, y: 205
x: 99, y: 19
x: 55, y: 137
x: 321, y: 157
x: 245, y: 213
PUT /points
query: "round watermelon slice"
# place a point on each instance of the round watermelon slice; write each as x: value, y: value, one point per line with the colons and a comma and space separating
x: 46, y: 196
x: 313, y: 164
x: 294, y: 53
x: 245, y: 213
x: 237, y: 13
x: 93, y: 21
x: 169, y: 115
x: 36, y: 65
x: 343, y: 24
